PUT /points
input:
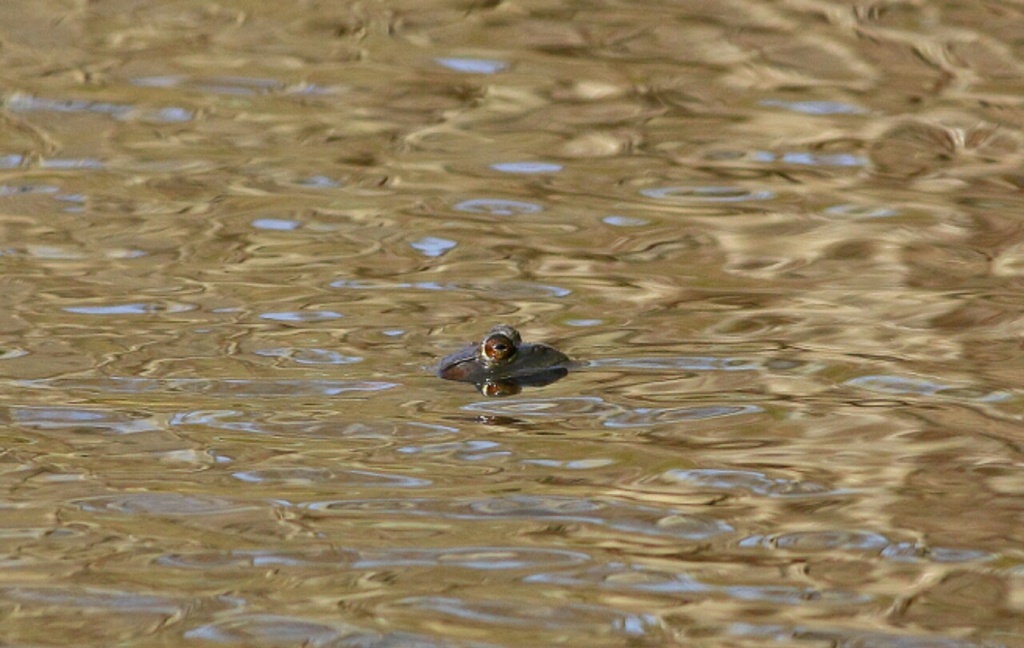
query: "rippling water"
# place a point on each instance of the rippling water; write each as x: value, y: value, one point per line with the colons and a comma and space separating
x: 784, y: 240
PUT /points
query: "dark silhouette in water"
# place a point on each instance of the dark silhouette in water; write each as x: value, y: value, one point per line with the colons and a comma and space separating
x: 502, y: 364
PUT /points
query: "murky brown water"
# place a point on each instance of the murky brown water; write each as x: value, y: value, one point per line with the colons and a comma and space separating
x: 788, y: 238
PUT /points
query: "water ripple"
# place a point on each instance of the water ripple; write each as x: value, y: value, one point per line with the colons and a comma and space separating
x: 301, y: 316
x: 244, y: 559
x: 799, y: 635
x: 913, y: 552
x: 815, y: 107
x: 544, y: 407
x: 237, y: 85
x: 309, y: 356
x: 634, y: 578
x: 625, y: 578
x: 472, y: 65
x: 904, y: 385
x: 821, y: 541
x: 341, y: 478
x: 850, y: 211
x: 72, y: 253
x: 486, y: 558
x: 267, y: 629
x: 71, y: 163
x: 575, y: 464
x: 330, y: 428
x: 211, y: 387
x: 69, y: 418
x: 507, y: 289
x: 613, y: 416
x: 625, y: 221
x: 473, y: 450
x: 162, y: 504
x: 498, y: 207
x: 683, y: 363
x: 527, y: 167
x: 12, y: 353
x: 276, y: 224
x: 139, y: 308
x: 283, y: 630
x: 749, y: 480
x: 18, y: 190
x: 647, y: 416
x: 68, y: 596
x: 433, y: 246
x: 631, y: 518
x: 795, y: 595
x: 557, y: 616
x: 811, y: 159
x: 683, y: 194
x: 29, y: 103
x: 875, y: 543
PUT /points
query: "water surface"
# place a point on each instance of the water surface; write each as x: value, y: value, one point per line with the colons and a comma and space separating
x: 785, y: 237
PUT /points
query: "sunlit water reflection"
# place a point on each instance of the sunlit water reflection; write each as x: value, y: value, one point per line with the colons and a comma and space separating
x: 783, y: 241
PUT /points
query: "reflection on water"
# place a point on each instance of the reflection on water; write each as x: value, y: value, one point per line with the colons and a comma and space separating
x: 222, y: 387
x: 783, y: 241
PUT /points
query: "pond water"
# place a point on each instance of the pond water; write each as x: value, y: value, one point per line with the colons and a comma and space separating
x: 784, y: 239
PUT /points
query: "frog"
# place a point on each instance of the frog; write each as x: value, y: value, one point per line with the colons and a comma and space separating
x: 502, y: 364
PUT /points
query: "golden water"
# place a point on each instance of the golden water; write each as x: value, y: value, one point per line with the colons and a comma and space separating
x: 786, y: 238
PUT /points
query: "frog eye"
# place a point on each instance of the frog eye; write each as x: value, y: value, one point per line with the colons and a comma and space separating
x: 498, y: 348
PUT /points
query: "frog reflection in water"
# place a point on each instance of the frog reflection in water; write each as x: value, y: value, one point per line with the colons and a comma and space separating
x: 501, y: 365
